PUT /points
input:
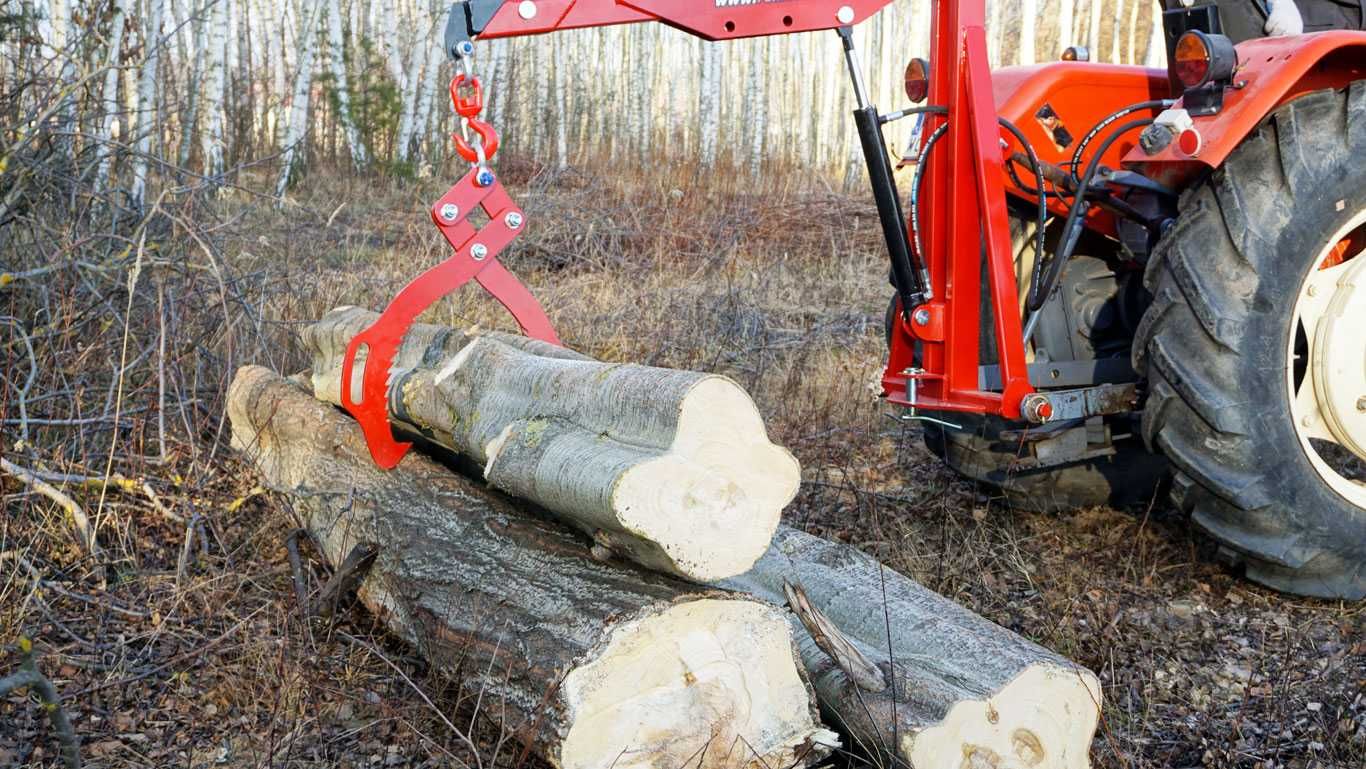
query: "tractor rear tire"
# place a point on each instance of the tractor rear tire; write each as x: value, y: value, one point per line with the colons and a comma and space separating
x: 1216, y: 347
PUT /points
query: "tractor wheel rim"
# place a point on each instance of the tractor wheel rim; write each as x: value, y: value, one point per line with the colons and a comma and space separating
x: 1326, y: 374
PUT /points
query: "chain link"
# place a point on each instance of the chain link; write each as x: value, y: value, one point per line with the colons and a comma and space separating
x: 467, y: 111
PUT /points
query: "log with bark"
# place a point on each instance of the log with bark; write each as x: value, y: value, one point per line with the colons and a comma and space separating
x: 957, y: 689
x: 961, y: 687
x: 672, y: 469
x: 596, y: 665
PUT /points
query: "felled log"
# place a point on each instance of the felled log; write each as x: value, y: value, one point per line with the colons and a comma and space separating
x: 672, y: 469
x: 956, y: 690
x: 961, y: 687
x: 595, y: 665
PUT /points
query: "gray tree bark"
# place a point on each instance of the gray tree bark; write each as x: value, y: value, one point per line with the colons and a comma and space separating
x: 960, y: 690
x: 593, y: 665
x: 672, y: 469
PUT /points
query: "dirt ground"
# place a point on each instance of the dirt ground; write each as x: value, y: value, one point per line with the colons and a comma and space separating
x: 179, y: 647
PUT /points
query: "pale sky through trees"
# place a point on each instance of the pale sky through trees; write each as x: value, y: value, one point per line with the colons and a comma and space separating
x: 214, y: 84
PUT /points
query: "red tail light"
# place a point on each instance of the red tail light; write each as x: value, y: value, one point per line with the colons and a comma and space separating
x: 1202, y: 58
x: 917, y: 80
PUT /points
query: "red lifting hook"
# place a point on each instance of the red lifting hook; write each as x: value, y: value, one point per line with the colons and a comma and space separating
x: 487, y: 135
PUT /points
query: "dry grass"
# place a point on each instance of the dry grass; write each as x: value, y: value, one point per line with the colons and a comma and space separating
x: 179, y: 647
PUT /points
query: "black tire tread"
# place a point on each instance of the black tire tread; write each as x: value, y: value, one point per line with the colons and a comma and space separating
x: 1219, y: 281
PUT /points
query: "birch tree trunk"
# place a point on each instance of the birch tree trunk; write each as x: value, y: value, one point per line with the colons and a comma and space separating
x: 590, y: 665
x: 1067, y: 10
x: 232, y: 92
x: 1094, y: 8
x: 996, y: 30
x: 756, y: 107
x: 276, y: 47
x: 390, y: 42
x: 336, y: 60
x: 559, y: 86
x: 1131, y: 52
x: 292, y: 150
x: 109, y: 104
x: 427, y: 55
x: 1029, y: 11
x: 213, y: 51
x: 501, y: 72
x: 709, y: 104
x: 63, y: 31
x: 644, y: 85
x: 194, y: 58
x: 428, y: 86
x: 672, y: 469
x: 148, y: 118
x: 1157, y: 46
x: 1116, y: 33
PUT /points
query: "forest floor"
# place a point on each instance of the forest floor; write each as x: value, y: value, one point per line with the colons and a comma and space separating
x: 182, y: 649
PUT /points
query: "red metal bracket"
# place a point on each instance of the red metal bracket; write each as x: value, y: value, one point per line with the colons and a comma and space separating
x: 969, y: 220
x: 475, y: 256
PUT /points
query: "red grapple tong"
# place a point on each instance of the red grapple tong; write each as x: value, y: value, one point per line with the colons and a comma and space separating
x: 476, y: 256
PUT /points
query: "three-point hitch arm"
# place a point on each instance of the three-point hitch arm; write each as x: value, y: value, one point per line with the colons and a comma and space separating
x: 935, y: 348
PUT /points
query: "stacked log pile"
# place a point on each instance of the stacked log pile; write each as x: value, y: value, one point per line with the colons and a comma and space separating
x: 656, y: 640
x: 597, y: 666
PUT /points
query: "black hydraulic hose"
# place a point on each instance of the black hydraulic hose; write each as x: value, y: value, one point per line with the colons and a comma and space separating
x: 930, y: 109
x: 920, y: 159
x: 1040, y: 193
x: 1111, y: 118
x: 923, y: 156
x: 1071, y: 231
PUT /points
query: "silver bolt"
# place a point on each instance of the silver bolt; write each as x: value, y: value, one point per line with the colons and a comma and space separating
x: 1036, y: 408
x: 1313, y: 290
x: 845, y: 15
x: 526, y: 9
x: 479, y: 251
x: 1361, y: 404
x: 921, y: 317
x: 513, y: 220
x: 450, y: 211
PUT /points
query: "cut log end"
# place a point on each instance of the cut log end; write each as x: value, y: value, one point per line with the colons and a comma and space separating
x: 1044, y: 719
x: 714, y: 499
x: 706, y: 683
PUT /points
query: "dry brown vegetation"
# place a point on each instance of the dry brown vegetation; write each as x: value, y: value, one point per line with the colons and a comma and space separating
x: 180, y: 646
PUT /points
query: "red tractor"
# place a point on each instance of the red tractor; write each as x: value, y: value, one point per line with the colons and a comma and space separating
x: 1104, y: 276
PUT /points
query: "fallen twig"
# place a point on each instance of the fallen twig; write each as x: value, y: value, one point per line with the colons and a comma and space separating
x: 79, y: 519
x: 30, y: 677
x: 346, y: 579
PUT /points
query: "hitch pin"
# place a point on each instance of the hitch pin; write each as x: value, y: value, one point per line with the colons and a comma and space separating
x: 912, y: 386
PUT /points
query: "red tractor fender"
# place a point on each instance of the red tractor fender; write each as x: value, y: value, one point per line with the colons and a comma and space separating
x: 1271, y: 71
x: 1056, y: 103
